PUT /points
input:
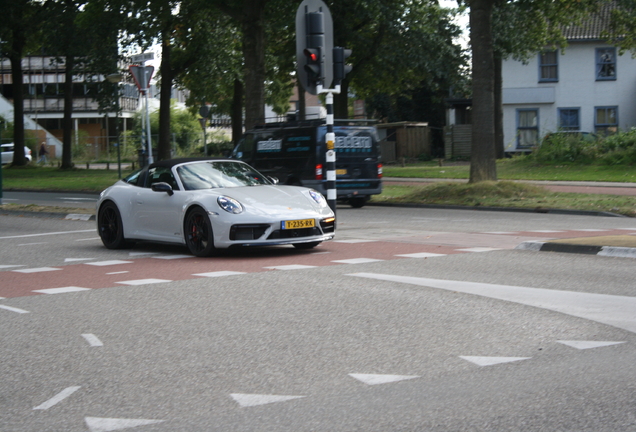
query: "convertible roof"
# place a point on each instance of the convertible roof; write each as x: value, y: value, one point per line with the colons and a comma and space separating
x: 169, y: 163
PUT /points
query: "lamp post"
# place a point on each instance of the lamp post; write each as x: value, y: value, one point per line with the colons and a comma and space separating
x: 116, y: 79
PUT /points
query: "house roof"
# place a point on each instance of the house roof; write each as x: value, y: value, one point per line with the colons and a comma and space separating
x: 593, y: 27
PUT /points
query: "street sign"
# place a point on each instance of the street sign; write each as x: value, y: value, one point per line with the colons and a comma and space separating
x: 142, y: 76
x: 318, y: 31
x: 140, y: 58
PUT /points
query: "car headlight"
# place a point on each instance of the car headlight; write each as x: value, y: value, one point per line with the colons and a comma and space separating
x: 230, y: 205
x: 317, y: 196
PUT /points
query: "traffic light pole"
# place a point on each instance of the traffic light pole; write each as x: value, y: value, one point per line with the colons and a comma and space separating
x: 330, y: 157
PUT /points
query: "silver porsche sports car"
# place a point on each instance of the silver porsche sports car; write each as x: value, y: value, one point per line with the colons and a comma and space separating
x: 208, y: 204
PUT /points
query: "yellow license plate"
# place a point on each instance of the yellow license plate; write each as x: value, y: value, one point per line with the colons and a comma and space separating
x: 296, y: 224
x: 341, y: 172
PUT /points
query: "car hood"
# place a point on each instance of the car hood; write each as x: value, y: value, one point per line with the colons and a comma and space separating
x: 270, y: 200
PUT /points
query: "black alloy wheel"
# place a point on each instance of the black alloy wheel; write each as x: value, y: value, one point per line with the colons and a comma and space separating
x: 110, y: 227
x: 198, y: 233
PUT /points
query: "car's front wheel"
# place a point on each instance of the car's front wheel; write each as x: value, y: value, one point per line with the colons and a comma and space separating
x: 198, y: 233
x: 110, y: 227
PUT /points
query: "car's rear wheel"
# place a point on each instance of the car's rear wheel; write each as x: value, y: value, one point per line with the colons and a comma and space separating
x: 306, y: 245
x: 110, y: 227
x: 198, y: 233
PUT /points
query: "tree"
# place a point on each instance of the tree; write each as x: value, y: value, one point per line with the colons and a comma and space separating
x: 18, y: 33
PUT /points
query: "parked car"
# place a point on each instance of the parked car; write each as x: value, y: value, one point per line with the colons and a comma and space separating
x: 7, y: 153
x: 208, y: 204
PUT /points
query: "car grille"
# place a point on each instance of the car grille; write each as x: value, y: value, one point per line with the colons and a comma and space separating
x: 294, y: 233
x: 247, y: 232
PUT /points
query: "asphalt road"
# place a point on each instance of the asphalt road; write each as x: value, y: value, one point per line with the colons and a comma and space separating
x: 411, y: 320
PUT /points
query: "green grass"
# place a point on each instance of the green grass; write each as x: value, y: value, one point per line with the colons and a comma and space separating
x: 54, y: 179
x: 519, y: 169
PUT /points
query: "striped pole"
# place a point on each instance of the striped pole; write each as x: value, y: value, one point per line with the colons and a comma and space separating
x: 330, y: 165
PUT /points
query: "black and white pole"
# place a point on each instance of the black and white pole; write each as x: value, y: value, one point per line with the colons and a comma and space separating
x: 330, y: 165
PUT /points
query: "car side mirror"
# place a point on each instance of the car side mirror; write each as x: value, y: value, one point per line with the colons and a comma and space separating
x: 273, y: 179
x: 162, y: 187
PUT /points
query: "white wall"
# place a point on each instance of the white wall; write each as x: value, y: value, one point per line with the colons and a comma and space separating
x: 577, y: 88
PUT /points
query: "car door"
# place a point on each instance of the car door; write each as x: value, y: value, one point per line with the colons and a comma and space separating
x: 157, y: 215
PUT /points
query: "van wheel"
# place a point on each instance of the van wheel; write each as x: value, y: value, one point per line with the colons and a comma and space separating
x: 357, y: 202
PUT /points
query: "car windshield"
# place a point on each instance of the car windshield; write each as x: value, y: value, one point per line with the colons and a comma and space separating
x: 210, y: 175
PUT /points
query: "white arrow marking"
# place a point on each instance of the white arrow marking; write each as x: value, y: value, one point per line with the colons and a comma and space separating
x: 249, y: 400
x: 57, y: 398
x: 588, y: 344
x: 372, y: 379
x: 97, y: 424
x: 489, y: 361
x: 617, y: 311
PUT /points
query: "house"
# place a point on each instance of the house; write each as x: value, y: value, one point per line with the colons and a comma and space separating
x: 588, y: 87
x: 43, y: 82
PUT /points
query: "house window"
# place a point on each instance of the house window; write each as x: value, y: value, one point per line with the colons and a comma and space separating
x: 605, y: 64
x: 606, y: 120
x: 527, y: 128
x: 569, y: 119
x: 548, y: 66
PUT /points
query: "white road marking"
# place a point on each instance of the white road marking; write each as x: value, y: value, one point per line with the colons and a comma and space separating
x: 108, y: 263
x: 478, y: 249
x: 617, y: 311
x: 92, y: 340
x: 218, y: 274
x: 357, y: 261
x: 143, y: 281
x: 57, y: 398
x: 76, y: 216
x: 290, y: 267
x: 119, y: 272
x: 374, y: 379
x: 172, y: 257
x: 581, y: 345
x: 353, y: 241
x: 97, y: 424
x: 421, y: 255
x: 77, y: 259
x: 249, y: 400
x: 61, y: 290
x: 489, y: 361
x: 46, y: 234
x: 13, y: 309
x: 37, y: 270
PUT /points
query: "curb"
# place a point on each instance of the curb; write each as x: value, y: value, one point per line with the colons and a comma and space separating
x: 501, y: 209
x: 608, y: 251
x: 49, y: 215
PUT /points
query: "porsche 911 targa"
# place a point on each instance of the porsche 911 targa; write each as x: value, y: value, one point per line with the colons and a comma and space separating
x: 208, y: 204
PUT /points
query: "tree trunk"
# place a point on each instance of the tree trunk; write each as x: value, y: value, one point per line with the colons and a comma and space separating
x: 18, y: 107
x: 499, y: 134
x: 254, y: 55
x: 483, y: 162
x: 237, y: 111
x: 167, y: 75
x: 67, y: 121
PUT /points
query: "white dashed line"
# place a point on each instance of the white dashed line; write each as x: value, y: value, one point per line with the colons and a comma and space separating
x: 61, y: 290
x: 421, y: 255
x: 37, y: 270
x: 373, y: 379
x: 57, y: 398
x: 490, y: 361
x: 581, y: 345
x: 97, y: 424
x: 12, y: 309
x: 249, y: 400
x: 119, y: 272
x: 143, y: 281
x: 92, y: 340
x: 357, y: 261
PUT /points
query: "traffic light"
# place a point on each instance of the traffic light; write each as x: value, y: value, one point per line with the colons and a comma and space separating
x: 314, y: 51
x: 340, y: 69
